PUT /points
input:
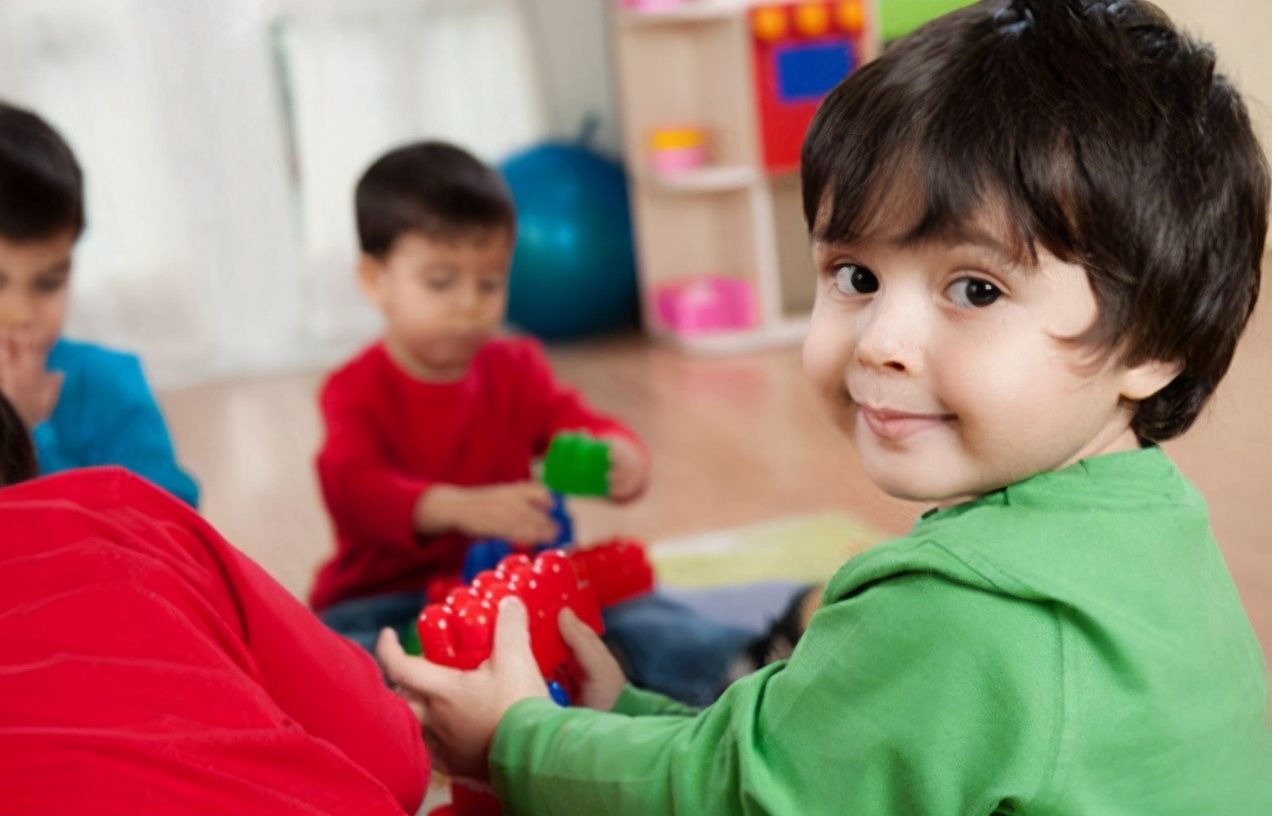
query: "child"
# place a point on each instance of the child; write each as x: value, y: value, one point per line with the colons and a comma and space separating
x: 431, y: 431
x: 148, y: 667
x: 1037, y: 227
x: 85, y: 404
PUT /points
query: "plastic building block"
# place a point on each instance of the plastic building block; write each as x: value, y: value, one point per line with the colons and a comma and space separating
x: 615, y: 571
x: 410, y: 637
x: 460, y: 631
x: 577, y: 464
x: 485, y: 555
x: 565, y: 524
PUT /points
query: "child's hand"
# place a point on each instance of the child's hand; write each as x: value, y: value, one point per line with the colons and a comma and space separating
x: 461, y: 709
x: 603, y: 679
x: 31, y: 389
x: 629, y: 469
x: 512, y: 512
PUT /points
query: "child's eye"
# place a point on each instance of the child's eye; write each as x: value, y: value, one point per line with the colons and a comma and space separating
x: 438, y: 284
x: 855, y: 280
x: 491, y: 284
x: 973, y: 293
x: 49, y: 284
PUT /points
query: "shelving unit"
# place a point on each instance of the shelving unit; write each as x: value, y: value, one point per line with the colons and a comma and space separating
x: 737, y: 217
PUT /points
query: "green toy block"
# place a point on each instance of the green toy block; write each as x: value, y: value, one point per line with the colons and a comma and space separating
x: 900, y: 17
x: 577, y: 465
x: 410, y: 637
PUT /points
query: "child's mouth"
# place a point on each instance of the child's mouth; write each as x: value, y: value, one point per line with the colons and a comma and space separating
x: 895, y: 425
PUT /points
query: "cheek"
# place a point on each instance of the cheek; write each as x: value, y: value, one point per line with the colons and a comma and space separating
x: 826, y: 353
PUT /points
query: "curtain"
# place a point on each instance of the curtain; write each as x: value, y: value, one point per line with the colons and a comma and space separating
x: 221, y: 140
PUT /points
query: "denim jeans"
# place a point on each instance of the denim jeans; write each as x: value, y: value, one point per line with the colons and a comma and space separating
x: 361, y: 619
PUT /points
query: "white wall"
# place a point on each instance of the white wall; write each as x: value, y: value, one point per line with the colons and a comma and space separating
x: 1241, y: 31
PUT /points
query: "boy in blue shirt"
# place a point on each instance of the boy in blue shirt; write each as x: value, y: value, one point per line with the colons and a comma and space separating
x: 1037, y: 228
x: 84, y: 404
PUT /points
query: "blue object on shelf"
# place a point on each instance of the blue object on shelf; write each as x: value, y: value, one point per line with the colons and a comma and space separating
x: 806, y: 73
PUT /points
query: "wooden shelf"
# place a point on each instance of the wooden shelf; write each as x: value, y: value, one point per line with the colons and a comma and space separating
x: 690, y: 12
x: 726, y: 179
x: 788, y: 332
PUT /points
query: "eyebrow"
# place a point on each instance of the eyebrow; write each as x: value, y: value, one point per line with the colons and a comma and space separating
x: 963, y: 237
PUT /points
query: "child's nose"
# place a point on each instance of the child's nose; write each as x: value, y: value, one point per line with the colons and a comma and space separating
x: 890, y: 337
x: 16, y: 312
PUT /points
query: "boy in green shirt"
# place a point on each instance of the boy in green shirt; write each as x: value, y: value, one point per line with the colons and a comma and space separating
x: 1038, y: 227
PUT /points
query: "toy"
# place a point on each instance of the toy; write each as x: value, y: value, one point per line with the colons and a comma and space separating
x: 677, y: 150
x: 706, y: 303
x: 801, y: 51
x: 574, y: 266
x: 577, y: 464
x: 616, y: 570
x: 460, y: 633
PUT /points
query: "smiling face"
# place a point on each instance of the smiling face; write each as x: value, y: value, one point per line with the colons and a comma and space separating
x: 441, y: 299
x: 946, y: 363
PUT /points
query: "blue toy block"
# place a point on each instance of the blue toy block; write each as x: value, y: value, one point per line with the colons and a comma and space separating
x: 484, y: 555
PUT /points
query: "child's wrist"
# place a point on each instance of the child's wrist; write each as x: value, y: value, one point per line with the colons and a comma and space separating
x: 439, y: 508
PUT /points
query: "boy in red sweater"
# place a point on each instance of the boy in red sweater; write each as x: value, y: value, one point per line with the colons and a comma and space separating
x: 149, y: 667
x: 431, y: 431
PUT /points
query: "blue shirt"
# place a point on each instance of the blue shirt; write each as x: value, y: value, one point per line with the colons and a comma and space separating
x: 106, y: 415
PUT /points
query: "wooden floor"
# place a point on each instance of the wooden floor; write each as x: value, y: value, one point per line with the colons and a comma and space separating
x: 735, y: 441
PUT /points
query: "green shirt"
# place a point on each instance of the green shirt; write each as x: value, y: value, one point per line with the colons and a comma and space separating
x: 1071, y: 644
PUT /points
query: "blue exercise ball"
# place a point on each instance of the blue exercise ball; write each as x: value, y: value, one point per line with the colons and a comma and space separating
x: 574, y: 269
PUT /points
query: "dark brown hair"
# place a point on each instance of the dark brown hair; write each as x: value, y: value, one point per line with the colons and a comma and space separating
x: 41, y: 186
x: 433, y: 188
x: 17, y: 455
x: 1104, y: 134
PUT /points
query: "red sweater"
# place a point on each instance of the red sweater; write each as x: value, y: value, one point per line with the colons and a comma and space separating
x: 149, y: 667
x: 391, y: 436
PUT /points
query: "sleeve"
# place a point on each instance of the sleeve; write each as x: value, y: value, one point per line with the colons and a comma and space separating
x: 365, y: 494
x: 328, y: 685
x: 635, y: 702
x: 557, y: 407
x: 905, y: 698
x: 48, y: 449
x: 137, y: 437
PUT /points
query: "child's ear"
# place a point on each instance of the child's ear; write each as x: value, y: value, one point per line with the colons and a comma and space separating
x: 371, y: 279
x: 1139, y: 382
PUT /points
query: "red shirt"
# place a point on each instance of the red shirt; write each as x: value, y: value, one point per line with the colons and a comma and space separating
x: 391, y: 436
x: 147, y: 666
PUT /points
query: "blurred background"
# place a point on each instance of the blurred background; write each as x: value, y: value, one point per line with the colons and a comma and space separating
x: 221, y: 141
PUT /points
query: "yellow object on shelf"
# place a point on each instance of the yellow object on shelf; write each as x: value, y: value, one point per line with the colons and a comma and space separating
x: 812, y: 19
x: 769, y: 23
x: 850, y: 16
x: 677, y: 138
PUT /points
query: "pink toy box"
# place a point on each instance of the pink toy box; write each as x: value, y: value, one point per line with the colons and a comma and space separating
x: 706, y: 303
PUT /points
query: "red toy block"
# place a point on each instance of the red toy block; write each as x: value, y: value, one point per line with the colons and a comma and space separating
x: 616, y: 570
x: 459, y: 632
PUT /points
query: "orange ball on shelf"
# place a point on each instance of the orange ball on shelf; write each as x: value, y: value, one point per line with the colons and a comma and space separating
x: 769, y: 23
x: 812, y: 19
x: 850, y: 16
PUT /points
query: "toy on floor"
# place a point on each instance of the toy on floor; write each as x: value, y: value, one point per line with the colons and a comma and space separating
x: 460, y: 633
x: 577, y: 464
x: 616, y: 570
